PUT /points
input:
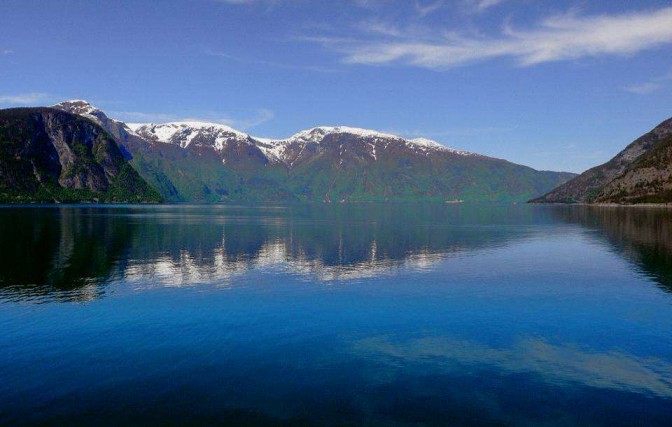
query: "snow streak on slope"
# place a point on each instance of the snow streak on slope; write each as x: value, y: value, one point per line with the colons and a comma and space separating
x: 183, y: 133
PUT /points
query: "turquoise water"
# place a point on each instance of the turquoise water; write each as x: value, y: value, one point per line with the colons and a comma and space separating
x: 357, y: 314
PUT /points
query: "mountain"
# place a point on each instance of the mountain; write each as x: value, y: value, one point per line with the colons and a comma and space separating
x: 641, y: 173
x: 208, y: 162
x: 48, y: 155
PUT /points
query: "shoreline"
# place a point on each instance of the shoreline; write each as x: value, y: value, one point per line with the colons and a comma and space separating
x: 609, y: 205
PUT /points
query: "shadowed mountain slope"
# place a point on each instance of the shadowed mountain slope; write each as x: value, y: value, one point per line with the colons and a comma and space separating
x: 47, y: 155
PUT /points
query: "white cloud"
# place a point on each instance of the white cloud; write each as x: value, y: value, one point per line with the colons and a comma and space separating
x: 651, y: 86
x: 424, y: 8
x: 486, y: 4
x: 261, y: 116
x: 268, y: 5
x: 6, y: 51
x: 644, y: 88
x: 558, y: 38
x: 370, y: 4
x: 34, y: 98
x: 245, y: 1
x: 366, y: 4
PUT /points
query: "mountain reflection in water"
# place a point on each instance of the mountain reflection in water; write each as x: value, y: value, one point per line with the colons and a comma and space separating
x: 642, y: 235
x: 72, y: 252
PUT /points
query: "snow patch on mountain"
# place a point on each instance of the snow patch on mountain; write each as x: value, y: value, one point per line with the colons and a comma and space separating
x: 317, y: 134
x: 274, y: 150
x: 185, y: 132
x: 428, y: 143
x: 82, y: 108
x: 424, y: 142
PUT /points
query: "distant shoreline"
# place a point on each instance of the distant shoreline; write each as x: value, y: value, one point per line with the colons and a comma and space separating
x: 637, y: 205
x: 610, y: 205
x: 311, y: 202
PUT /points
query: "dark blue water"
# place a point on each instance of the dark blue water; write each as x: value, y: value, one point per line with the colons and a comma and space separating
x: 336, y: 315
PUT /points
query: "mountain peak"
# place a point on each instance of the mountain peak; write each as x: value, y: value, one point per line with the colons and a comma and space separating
x: 317, y: 133
x: 83, y: 108
x: 76, y: 106
x: 182, y: 133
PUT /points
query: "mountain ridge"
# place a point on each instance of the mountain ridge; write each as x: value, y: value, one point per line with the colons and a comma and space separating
x: 315, y: 134
x: 631, y: 176
x: 200, y: 161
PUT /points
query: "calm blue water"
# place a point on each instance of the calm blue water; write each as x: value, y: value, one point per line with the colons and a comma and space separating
x: 336, y: 315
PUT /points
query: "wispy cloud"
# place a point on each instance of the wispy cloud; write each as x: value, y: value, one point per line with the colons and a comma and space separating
x: 248, y: 2
x: 257, y: 118
x: 558, y: 38
x: 424, y: 8
x: 266, y: 5
x: 651, y: 86
x: 6, y: 51
x: 365, y: 4
x: 482, y: 5
x: 261, y: 116
x: 370, y: 4
x: 265, y: 63
x: 33, y: 98
x: 644, y: 88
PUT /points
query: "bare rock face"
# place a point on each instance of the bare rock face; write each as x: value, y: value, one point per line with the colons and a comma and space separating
x: 641, y: 168
x: 50, y: 155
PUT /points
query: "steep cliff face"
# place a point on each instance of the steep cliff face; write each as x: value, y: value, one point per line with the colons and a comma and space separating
x: 47, y: 155
x: 641, y: 169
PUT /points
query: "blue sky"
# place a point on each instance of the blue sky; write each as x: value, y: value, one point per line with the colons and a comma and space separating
x: 560, y: 85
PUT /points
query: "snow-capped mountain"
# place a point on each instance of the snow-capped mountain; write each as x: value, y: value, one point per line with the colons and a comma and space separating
x: 81, y: 108
x: 223, y: 138
x: 199, y: 161
x: 318, y: 134
x: 121, y: 132
x: 187, y: 133
x: 218, y: 136
x: 85, y: 109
